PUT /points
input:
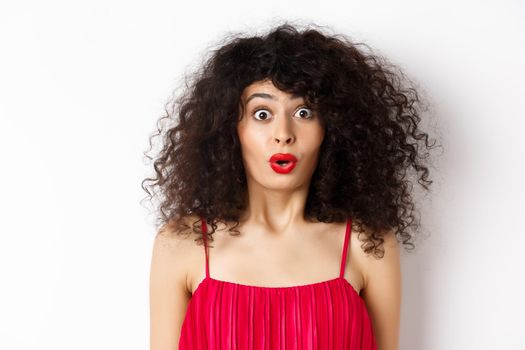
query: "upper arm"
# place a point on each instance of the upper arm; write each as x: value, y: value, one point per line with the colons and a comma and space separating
x: 382, y: 294
x: 169, y: 295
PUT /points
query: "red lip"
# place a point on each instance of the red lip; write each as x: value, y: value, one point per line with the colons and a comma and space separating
x: 283, y: 169
x: 283, y: 156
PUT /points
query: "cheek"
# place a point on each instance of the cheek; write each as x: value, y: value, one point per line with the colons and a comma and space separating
x: 320, y: 136
x: 315, y: 136
x: 250, y: 140
x: 243, y: 134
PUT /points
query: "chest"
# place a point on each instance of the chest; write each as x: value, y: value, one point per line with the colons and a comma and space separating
x: 325, y: 315
x: 295, y: 260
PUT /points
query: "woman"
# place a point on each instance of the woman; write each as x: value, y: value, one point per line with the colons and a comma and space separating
x: 289, y: 153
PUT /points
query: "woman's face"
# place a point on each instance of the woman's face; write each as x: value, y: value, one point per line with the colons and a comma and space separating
x: 275, y: 122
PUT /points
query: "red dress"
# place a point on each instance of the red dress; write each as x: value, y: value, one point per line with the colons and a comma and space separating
x: 323, y: 315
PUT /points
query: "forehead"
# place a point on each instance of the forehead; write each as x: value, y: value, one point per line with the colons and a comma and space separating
x: 267, y: 87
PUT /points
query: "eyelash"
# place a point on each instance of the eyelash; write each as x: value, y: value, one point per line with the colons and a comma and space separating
x: 259, y: 108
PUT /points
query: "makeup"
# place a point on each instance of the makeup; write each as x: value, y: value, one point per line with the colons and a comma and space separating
x: 283, y: 163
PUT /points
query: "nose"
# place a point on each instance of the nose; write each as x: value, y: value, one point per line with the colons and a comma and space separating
x: 283, y: 132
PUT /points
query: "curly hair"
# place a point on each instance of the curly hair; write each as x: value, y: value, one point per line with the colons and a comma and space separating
x: 371, y: 112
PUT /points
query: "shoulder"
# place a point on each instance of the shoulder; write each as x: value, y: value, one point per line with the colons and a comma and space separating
x: 175, y: 236
x: 175, y: 249
x: 388, y: 262
x: 369, y: 266
x: 372, y: 266
x: 382, y: 291
x: 169, y: 292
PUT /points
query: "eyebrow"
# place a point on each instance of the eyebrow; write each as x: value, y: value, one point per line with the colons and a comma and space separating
x: 268, y: 96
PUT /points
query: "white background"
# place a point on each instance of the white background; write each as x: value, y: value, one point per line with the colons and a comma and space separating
x: 83, y: 83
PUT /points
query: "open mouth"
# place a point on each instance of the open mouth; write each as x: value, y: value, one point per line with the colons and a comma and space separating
x: 283, y: 163
x: 283, y: 166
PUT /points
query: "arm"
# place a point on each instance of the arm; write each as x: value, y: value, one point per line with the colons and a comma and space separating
x: 382, y: 294
x: 168, y: 291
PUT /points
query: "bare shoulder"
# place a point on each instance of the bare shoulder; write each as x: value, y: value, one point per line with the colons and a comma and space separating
x: 388, y: 263
x: 365, y: 265
x: 382, y: 291
x: 175, y: 245
x: 169, y: 292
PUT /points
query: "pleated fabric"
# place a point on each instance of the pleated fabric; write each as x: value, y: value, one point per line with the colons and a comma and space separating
x: 323, y: 315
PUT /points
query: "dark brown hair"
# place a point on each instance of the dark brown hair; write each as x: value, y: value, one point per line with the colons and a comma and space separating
x: 371, y: 112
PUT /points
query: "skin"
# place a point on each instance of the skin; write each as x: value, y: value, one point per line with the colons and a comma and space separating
x: 280, y: 124
x: 277, y: 246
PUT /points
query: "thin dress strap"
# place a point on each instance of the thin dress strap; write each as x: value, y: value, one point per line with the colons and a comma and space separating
x: 205, y: 239
x: 345, y: 245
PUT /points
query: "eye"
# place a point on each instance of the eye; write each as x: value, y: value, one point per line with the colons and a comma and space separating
x: 305, y: 113
x: 261, y: 114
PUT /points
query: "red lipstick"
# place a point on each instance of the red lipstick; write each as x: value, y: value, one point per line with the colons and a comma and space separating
x: 283, y: 163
